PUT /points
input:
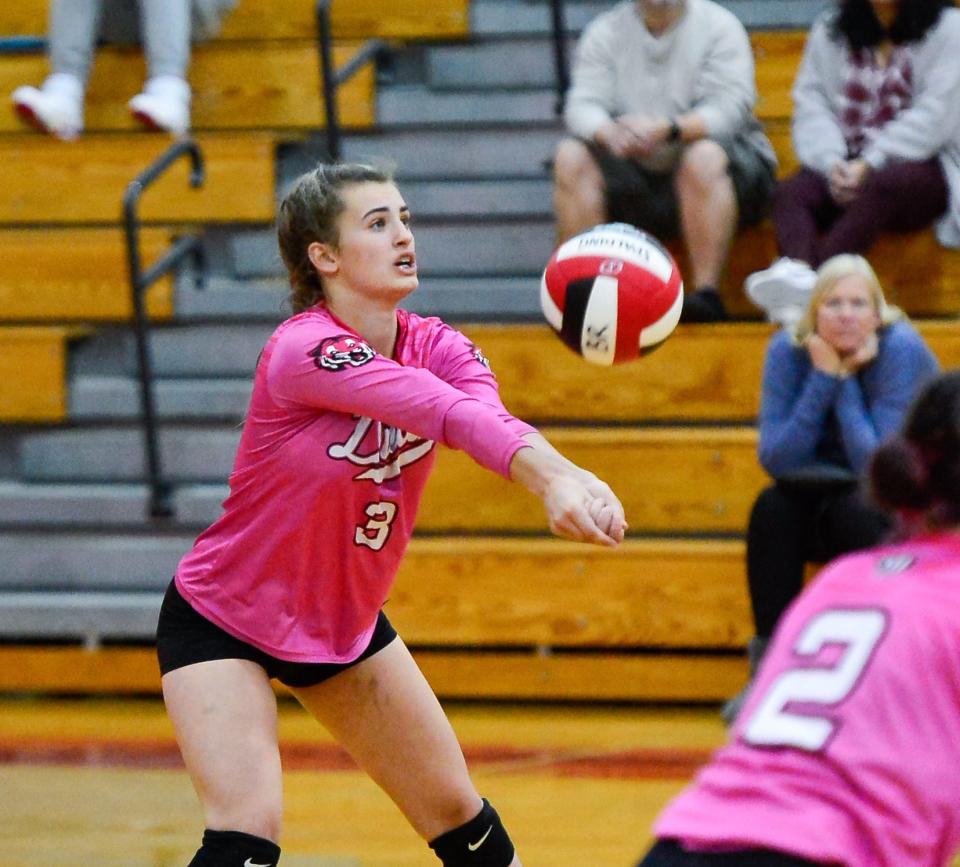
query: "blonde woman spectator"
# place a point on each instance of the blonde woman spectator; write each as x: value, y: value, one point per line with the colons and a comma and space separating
x: 834, y: 388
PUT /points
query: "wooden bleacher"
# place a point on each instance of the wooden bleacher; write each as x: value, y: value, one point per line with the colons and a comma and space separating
x: 236, y: 85
x: 295, y: 19
x: 35, y: 172
x: 57, y: 275
x: 491, y: 607
x: 33, y: 372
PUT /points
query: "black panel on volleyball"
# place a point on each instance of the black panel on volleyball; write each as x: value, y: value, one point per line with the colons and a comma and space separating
x: 574, y: 309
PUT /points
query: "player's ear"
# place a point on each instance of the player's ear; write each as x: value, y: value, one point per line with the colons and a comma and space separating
x: 324, y: 258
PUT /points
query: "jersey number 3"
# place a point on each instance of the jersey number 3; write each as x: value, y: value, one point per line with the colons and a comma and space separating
x: 374, y: 532
x: 857, y: 632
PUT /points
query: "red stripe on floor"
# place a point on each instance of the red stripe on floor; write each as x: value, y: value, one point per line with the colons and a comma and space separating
x: 651, y: 763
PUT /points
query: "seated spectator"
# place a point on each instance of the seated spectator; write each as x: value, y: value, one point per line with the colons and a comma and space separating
x: 56, y: 107
x: 846, y: 753
x: 833, y: 389
x: 661, y: 107
x: 876, y: 124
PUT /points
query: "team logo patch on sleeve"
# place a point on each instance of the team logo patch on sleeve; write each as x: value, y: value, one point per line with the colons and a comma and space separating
x: 477, y: 354
x: 341, y: 351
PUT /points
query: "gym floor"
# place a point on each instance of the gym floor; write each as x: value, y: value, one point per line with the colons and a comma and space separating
x: 92, y: 781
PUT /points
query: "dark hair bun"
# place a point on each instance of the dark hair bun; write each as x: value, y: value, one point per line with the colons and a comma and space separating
x: 899, y: 478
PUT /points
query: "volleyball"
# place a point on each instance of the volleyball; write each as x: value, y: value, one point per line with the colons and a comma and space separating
x: 612, y: 293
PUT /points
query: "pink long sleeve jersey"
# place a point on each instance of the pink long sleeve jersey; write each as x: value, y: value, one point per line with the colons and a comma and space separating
x: 336, y: 448
x: 848, y: 750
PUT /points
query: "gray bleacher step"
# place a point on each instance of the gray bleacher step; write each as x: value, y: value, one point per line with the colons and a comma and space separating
x: 118, y: 397
x: 209, y: 350
x: 454, y: 249
x: 501, y: 63
x: 224, y: 296
x: 90, y: 561
x: 479, y: 198
x: 418, y: 105
x: 117, y: 454
x: 496, y: 17
x: 181, y: 350
x: 456, y: 153
x: 199, y: 504
x: 71, y: 504
x: 77, y: 505
x: 489, y: 199
x: 473, y: 299
x: 90, y: 616
x: 528, y: 17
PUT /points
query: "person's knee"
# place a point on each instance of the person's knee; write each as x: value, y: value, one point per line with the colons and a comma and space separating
x: 703, y: 165
x: 482, y: 841
x: 772, y: 509
x: 573, y: 161
x: 805, y: 189
x: 880, y: 190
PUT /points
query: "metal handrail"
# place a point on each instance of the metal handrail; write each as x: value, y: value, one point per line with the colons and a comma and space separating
x: 334, y: 78
x: 161, y: 505
x: 559, y: 53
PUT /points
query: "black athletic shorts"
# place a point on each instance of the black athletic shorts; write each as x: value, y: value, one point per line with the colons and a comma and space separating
x: 669, y: 853
x: 648, y: 200
x: 185, y: 637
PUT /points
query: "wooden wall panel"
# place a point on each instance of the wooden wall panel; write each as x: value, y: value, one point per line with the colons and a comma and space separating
x: 70, y: 274
x: 699, y: 480
x: 37, y: 173
x: 33, y: 373
x: 235, y: 86
x: 295, y: 19
x: 452, y: 674
x: 695, y: 376
x: 501, y: 592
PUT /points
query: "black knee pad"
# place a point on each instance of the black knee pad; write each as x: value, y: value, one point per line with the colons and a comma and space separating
x: 481, y: 842
x: 232, y: 848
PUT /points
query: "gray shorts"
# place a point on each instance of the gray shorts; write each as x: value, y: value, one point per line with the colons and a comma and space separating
x: 648, y: 200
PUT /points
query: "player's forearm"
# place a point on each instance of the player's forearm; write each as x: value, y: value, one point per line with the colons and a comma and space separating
x: 537, y: 466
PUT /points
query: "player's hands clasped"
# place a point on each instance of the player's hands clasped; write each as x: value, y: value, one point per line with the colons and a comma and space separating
x: 584, y: 511
x: 579, y: 506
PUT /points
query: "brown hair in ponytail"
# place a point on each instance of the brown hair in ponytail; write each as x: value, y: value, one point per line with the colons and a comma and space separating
x: 309, y: 213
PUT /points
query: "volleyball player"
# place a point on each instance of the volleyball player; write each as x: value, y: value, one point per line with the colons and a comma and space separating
x: 847, y: 751
x: 349, y: 397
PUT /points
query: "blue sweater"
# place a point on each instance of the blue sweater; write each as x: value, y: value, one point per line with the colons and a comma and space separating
x: 809, y: 417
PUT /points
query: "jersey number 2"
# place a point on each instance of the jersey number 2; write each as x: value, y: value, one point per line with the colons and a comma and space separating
x: 374, y: 533
x: 858, y: 632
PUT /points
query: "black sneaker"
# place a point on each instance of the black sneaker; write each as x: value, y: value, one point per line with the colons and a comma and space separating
x: 704, y: 305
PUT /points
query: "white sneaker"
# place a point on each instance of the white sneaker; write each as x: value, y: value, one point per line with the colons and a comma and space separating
x: 164, y: 104
x: 783, y: 290
x: 56, y: 107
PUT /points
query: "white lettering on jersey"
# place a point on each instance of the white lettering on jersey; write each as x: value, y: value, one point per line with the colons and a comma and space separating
x: 395, y: 450
x: 774, y: 722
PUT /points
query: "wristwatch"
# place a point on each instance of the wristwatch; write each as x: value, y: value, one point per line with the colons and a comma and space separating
x: 675, y: 132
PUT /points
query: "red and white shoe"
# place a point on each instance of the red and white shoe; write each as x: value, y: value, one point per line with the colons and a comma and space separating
x: 163, y: 105
x: 56, y: 107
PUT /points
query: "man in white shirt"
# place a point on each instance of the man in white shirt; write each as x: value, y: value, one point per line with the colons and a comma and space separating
x: 664, y: 135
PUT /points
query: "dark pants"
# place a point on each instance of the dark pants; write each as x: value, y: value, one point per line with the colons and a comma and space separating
x: 792, y: 526
x: 668, y: 853
x: 811, y: 226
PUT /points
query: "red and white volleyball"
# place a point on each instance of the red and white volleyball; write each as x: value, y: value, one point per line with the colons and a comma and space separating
x: 612, y: 293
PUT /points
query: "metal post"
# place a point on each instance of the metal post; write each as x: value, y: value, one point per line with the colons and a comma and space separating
x: 559, y: 53
x: 160, y: 490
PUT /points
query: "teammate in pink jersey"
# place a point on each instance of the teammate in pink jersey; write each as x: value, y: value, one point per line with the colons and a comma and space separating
x: 847, y: 751
x: 349, y: 398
